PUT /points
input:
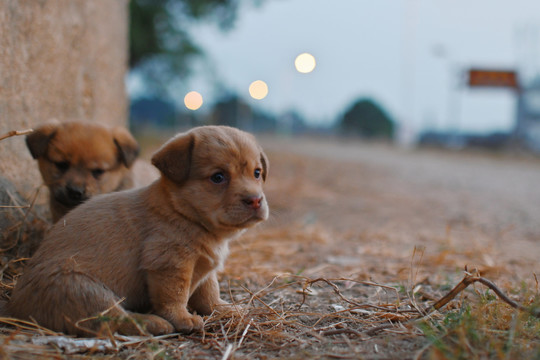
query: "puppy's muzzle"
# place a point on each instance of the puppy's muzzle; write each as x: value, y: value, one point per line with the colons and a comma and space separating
x: 254, y: 202
x: 72, y: 195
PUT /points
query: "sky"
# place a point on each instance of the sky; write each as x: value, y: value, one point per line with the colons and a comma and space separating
x: 408, y: 55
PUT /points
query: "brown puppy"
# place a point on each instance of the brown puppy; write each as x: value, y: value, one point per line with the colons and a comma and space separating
x: 154, y: 249
x: 78, y: 160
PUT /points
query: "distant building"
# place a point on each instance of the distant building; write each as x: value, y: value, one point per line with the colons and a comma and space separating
x: 527, y: 130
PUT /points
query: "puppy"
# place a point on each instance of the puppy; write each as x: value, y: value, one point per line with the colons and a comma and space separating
x: 78, y: 160
x: 150, y: 254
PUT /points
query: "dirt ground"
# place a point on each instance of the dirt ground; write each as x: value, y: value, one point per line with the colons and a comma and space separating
x: 481, y: 201
x: 360, y: 236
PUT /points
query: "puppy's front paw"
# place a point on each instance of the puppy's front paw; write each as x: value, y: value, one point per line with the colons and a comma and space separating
x: 156, y: 325
x: 139, y: 324
x: 188, y: 323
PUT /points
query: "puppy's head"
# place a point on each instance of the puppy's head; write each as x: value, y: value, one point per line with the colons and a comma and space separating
x: 79, y: 160
x: 214, y: 175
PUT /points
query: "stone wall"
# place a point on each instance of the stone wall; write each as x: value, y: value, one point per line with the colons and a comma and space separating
x: 63, y: 59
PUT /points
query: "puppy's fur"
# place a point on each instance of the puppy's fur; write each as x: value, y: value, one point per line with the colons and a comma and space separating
x: 153, y: 252
x: 78, y: 160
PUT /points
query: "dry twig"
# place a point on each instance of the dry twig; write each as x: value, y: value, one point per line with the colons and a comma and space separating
x: 309, y: 282
x: 463, y: 284
x: 15, y: 133
x: 470, y: 279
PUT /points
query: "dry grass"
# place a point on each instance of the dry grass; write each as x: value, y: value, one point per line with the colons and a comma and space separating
x: 309, y: 284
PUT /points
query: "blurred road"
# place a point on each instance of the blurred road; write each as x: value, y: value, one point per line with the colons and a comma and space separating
x: 476, y: 200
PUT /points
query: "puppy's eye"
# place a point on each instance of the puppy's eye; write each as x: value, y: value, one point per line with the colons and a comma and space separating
x: 96, y: 173
x: 63, y: 166
x: 217, y: 178
x: 257, y: 173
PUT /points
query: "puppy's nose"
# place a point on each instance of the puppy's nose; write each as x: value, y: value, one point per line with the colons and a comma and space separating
x: 253, y: 201
x: 76, y: 193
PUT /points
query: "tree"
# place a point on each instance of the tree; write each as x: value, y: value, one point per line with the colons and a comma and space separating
x: 366, y: 118
x: 160, y: 47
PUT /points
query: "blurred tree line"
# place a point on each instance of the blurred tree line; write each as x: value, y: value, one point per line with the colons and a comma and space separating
x: 230, y: 110
x: 364, y: 118
x: 161, y: 52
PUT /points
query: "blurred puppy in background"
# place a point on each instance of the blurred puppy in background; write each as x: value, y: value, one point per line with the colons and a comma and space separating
x: 78, y: 160
x: 150, y: 254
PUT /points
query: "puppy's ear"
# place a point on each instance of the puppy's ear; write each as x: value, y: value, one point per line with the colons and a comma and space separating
x: 265, y: 164
x: 38, y: 141
x: 128, y: 148
x: 174, y: 158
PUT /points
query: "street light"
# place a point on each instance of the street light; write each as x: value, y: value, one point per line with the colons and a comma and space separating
x: 305, y: 63
x: 193, y: 100
x: 258, y: 89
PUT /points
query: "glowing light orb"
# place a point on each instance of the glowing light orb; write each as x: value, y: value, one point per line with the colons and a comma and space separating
x: 305, y: 63
x: 258, y: 89
x: 193, y: 100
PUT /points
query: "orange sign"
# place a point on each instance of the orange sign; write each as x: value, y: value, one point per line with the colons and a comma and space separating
x: 493, y: 78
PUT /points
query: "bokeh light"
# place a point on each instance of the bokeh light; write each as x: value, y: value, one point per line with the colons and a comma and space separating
x: 193, y: 100
x: 305, y: 63
x: 258, y: 89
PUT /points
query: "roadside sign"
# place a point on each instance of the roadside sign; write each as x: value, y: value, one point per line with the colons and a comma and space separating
x: 493, y: 78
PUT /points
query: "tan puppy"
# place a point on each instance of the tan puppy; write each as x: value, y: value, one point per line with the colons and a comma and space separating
x: 154, y: 249
x: 78, y: 160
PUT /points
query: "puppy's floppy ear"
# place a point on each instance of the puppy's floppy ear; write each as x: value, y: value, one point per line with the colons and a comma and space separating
x: 128, y: 148
x: 38, y: 141
x: 265, y: 164
x: 174, y: 158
